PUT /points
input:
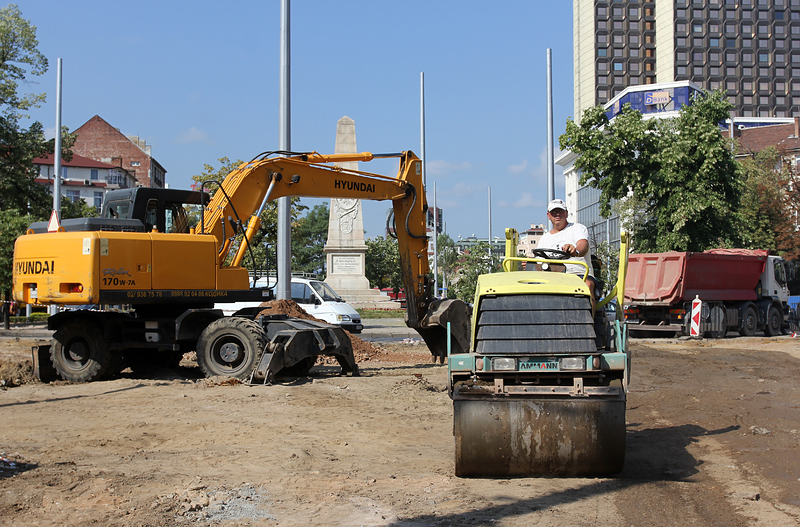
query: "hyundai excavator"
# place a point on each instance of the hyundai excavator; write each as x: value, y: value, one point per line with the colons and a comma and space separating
x: 168, y: 271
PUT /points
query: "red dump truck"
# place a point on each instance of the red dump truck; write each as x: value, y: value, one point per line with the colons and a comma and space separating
x: 741, y: 290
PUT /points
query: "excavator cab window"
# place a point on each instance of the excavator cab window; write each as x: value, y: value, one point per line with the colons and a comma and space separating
x: 151, y: 215
x: 118, y: 209
x: 176, y: 219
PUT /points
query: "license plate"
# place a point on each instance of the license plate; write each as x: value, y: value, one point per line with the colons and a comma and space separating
x: 538, y: 365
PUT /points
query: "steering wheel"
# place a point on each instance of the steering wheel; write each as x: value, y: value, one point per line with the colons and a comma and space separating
x: 551, y: 254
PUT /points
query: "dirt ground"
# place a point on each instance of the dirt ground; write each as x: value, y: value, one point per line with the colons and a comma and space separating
x: 713, y: 440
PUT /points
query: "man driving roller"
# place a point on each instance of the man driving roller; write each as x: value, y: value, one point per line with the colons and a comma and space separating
x: 572, y: 238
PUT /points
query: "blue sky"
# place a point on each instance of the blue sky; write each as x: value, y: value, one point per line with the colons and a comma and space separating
x: 199, y: 81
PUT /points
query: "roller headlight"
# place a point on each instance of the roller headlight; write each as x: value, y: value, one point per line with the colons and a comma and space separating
x: 502, y: 364
x: 573, y: 363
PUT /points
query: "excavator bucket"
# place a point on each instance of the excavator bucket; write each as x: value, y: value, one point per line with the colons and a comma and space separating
x: 433, y: 327
x: 530, y: 437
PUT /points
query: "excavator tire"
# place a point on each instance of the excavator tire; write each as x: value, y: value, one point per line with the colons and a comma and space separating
x: 230, y: 346
x: 539, y: 437
x: 80, y: 353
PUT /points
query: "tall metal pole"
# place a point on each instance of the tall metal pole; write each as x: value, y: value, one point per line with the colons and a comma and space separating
x: 435, y: 245
x: 422, y: 128
x: 57, y: 150
x: 284, y: 259
x: 490, y: 222
x: 551, y: 180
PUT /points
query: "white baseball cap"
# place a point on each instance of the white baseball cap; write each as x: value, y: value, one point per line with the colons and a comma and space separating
x: 556, y: 204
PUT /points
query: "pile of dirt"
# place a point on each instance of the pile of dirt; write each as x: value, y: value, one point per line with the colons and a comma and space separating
x: 16, y: 374
x: 363, y: 351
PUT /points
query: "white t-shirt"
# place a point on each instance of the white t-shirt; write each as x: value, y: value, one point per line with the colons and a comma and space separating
x: 570, y: 235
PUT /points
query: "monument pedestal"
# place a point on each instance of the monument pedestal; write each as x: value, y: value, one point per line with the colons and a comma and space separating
x: 345, y: 250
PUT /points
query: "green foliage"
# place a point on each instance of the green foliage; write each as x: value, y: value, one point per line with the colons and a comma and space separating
x: 20, y: 57
x: 264, y: 242
x: 77, y: 209
x: 471, y: 265
x: 18, y: 148
x: 12, y: 225
x: 609, y: 257
x: 680, y: 173
x: 382, y: 267
x: 381, y: 313
x: 309, y: 235
x: 447, y: 261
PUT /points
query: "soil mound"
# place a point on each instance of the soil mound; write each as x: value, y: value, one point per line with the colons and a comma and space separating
x: 363, y: 351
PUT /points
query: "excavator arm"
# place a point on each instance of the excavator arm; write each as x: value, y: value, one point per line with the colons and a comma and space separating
x: 245, y: 192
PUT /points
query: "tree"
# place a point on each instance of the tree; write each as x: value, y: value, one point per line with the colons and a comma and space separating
x: 19, y: 57
x: 382, y: 263
x: 762, y: 206
x: 264, y: 242
x: 308, y: 241
x: 447, y: 260
x: 681, y: 171
x: 471, y: 265
x: 77, y: 209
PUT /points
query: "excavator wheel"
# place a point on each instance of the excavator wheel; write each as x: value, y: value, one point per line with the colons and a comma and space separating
x: 539, y: 437
x: 80, y: 353
x: 230, y: 346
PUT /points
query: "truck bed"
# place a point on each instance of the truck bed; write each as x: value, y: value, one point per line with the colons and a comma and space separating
x: 663, y: 279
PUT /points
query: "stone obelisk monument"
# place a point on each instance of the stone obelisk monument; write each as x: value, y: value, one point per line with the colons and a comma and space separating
x: 345, y: 249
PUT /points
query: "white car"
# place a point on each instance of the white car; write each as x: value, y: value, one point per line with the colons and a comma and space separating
x: 316, y: 298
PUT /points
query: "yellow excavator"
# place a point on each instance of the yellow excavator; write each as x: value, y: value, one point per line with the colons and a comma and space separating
x: 169, y: 270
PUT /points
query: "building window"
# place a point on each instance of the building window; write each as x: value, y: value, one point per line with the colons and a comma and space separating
x: 780, y: 44
x: 618, y: 24
x: 697, y: 28
x: 619, y: 39
x: 633, y: 52
x: 747, y: 57
x: 633, y: 67
x: 714, y: 85
x: 619, y: 81
x: 763, y: 86
x: 698, y: 71
x: 617, y: 66
x: 680, y: 13
x: 601, y: 11
x: 714, y: 13
x: 73, y: 195
x: 633, y: 40
x: 601, y: 24
x: 731, y: 85
x: 602, y: 52
x: 682, y: 56
x: 713, y: 71
x: 730, y: 72
x: 697, y: 56
x: 634, y: 12
x: 780, y: 87
x: 730, y: 28
x: 763, y: 100
x: 681, y: 70
x: 730, y: 42
x: 94, y: 174
x: 618, y: 11
x: 618, y: 52
x: 778, y: 15
x: 680, y: 27
x: 780, y: 58
x: 763, y: 57
x: 747, y: 99
x: 763, y: 29
x: 730, y: 56
x: 713, y: 42
x: 602, y: 67
x: 713, y: 57
x: 135, y: 163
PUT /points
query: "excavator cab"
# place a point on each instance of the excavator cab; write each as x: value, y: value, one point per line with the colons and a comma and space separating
x: 542, y: 392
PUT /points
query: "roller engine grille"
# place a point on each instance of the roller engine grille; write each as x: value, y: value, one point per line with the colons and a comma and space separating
x: 535, y: 324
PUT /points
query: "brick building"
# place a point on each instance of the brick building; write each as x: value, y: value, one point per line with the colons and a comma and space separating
x: 100, y: 141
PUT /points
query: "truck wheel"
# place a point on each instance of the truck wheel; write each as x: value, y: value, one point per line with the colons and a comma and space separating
x: 230, y: 346
x: 774, y: 322
x: 749, y: 322
x: 80, y: 353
